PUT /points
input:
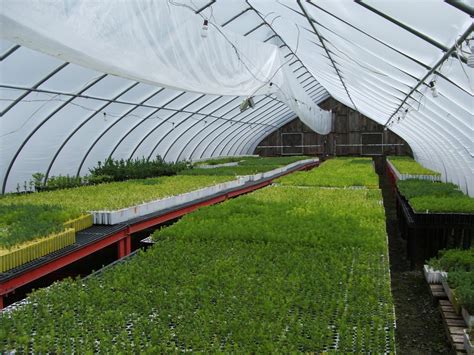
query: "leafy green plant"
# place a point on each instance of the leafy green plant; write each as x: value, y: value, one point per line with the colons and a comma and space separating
x: 142, y: 168
x: 279, y: 270
x: 428, y: 196
x: 463, y: 284
x: 337, y: 172
x: 117, y: 195
x: 20, y: 223
x: 407, y: 165
x: 453, y: 260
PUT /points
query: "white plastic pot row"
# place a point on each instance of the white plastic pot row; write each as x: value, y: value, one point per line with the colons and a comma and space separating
x: 410, y: 176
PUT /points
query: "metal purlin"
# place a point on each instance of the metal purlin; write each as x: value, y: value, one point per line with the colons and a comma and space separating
x: 70, y: 135
x: 407, y: 28
x: 135, y: 126
x: 35, y: 86
x: 280, y: 109
x: 227, y: 22
x: 443, y: 58
x: 326, y: 50
x: 220, y: 144
x: 232, y: 122
x: 383, y: 43
x: 186, y: 130
x: 110, y: 127
x: 78, y: 95
x: 260, y: 133
x: 264, y: 22
x: 247, y: 147
x: 261, y: 116
x: 12, y: 161
x: 248, y: 114
x: 244, y: 129
x: 185, y: 147
x: 176, y: 140
x: 237, y: 137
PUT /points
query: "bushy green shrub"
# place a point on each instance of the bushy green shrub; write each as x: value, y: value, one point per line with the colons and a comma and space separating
x: 453, y: 260
x: 142, y: 168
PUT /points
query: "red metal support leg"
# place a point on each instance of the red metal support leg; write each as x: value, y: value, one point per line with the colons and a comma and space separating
x: 121, y: 248
x: 1, y: 301
x: 128, y: 244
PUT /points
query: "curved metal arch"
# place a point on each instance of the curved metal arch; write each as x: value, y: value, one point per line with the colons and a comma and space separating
x: 251, y: 145
x: 135, y: 126
x: 222, y: 150
x: 160, y: 124
x: 254, y: 119
x: 89, y: 118
x: 240, y: 149
x: 241, y: 134
x: 236, y: 130
x: 205, y: 128
x: 384, y: 44
x: 103, y: 133
x: 33, y: 132
x: 217, y: 109
x: 237, y: 139
x: 442, y: 133
x: 35, y: 86
x: 223, y: 25
x: 222, y: 124
x: 183, y: 132
x: 213, y: 132
x: 11, y: 50
x: 180, y: 123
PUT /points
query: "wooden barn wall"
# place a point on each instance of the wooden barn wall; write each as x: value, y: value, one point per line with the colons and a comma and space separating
x: 350, y: 130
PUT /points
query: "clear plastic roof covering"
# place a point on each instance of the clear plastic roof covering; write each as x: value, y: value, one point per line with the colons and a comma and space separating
x: 84, y: 80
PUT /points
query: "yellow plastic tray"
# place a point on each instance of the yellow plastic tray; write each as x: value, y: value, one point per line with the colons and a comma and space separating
x: 10, y: 258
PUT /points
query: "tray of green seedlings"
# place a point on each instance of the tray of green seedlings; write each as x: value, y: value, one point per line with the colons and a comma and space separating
x: 246, y: 166
x: 407, y: 168
x: 427, y: 197
x: 29, y: 231
x: 279, y: 270
x: 457, y: 277
x: 338, y: 173
x: 119, y: 195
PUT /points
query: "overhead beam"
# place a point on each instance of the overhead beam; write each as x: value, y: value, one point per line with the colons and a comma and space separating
x: 460, y: 5
x: 316, y: 32
x: 446, y: 55
x: 408, y: 28
x: 205, y: 6
x: 281, y: 39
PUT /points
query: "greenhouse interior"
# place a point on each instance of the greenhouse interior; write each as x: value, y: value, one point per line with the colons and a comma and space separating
x: 236, y: 176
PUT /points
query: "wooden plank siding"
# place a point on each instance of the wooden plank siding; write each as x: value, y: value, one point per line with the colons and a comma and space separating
x: 345, y: 138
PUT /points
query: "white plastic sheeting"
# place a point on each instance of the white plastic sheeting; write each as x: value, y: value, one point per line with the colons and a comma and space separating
x: 159, y: 43
x: 62, y: 118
